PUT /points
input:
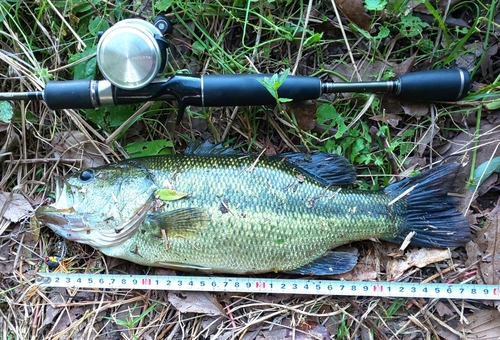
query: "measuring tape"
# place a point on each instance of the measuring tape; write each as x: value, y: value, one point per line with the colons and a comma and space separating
x: 276, y: 286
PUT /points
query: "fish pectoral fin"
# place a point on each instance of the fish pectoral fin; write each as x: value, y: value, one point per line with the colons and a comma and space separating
x: 180, y: 222
x: 332, y: 262
x: 183, y: 266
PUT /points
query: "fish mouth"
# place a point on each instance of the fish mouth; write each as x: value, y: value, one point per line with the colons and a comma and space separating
x: 89, y: 228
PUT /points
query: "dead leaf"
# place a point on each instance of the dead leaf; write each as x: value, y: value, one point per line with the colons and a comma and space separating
x: 305, y: 114
x: 10, y: 141
x: 404, y: 67
x: 426, y: 140
x: 3, y: 126
x: 486, y: 246
x: 443, y: 309
x: 195, y: 302
x: 416, y: 258
x: 14, y: 206
x: 416, y: 109
x: 365, y: 270
x: 76, y: 145
x: 389, y: 118
x: 483, y: 324
x: 307, y: 330
x: 355, y: 12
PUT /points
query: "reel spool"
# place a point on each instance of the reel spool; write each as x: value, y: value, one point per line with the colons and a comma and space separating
x: 131, y: 53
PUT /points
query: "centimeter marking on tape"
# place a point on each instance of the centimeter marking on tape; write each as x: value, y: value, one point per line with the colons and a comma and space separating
x: 267, y: 285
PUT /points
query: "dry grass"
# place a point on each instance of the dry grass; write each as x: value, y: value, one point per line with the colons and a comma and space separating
x: 37, y: 41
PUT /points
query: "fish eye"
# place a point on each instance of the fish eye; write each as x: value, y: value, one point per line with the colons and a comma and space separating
x: 86, y: 175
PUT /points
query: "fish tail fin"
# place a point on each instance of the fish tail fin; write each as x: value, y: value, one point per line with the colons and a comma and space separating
x: 431, y: 210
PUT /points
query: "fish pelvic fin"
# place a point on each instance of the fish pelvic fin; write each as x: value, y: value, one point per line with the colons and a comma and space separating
x: 431, y: 211
x: 332, y: 262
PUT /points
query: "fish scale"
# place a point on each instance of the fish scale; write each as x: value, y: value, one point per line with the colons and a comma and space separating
x: 235, y: 213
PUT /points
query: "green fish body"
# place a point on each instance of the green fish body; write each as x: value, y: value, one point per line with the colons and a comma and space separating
x: 225, y: 212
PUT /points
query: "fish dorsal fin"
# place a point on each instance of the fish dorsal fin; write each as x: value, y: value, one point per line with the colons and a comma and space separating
x: 180, y: 222
x: 199, y: 148
x: 328, y: 169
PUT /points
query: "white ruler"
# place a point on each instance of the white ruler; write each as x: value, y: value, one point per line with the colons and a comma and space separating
x: 267, y: 285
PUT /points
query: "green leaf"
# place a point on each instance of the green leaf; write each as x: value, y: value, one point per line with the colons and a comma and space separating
x: 169, y: 195
x: 341, y: 128
x: 272, y: 85
x: 493, y: 105
x: 198, y: 48
x: 87, y: 68
x: 96, y: 116
x: 316, y: 37
x: 412, y: 26
x: 117, y: 115
x: 97, y: 24
x: 375, y: 5
x: 6, y: 112
x: 151, y: 148
x: 326, y: 113
x: 383, y: 32
x: 484, y: 171
x: 163, y: 5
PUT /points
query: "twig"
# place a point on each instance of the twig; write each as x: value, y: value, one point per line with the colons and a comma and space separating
x: 341, y: 27
x: 304, y: 32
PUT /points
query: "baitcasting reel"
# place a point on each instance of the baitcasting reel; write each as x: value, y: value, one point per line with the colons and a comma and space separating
x: 133, y: 52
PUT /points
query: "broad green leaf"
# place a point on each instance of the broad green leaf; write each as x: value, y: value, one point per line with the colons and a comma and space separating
x: 155, y: 147
x: 326, y: 113
x: 87, y: 68
x: 96, y: 116
x: 383, y: 32
x: 98, y: 24
x: 169, y: 195
x: 117, y: 115
x: 6, y: 112
x: 375, y: 5
x: 484, y: 171
x: 163, y: 5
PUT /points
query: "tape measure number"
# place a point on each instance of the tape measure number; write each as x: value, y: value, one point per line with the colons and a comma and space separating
x: 266, y: 285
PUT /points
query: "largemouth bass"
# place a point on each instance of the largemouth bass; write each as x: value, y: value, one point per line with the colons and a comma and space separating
x: 226, y: 212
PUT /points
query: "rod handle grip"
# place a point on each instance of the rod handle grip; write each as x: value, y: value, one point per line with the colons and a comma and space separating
x: 247, y: 89
x: 435, y: 85
x: 70, y: 94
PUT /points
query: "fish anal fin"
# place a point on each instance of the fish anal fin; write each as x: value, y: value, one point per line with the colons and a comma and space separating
x: 332, y: 262
x: 182, y: 222
x: 328, y: 169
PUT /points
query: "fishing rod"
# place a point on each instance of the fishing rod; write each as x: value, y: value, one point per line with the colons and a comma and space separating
x: 133, y: 52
